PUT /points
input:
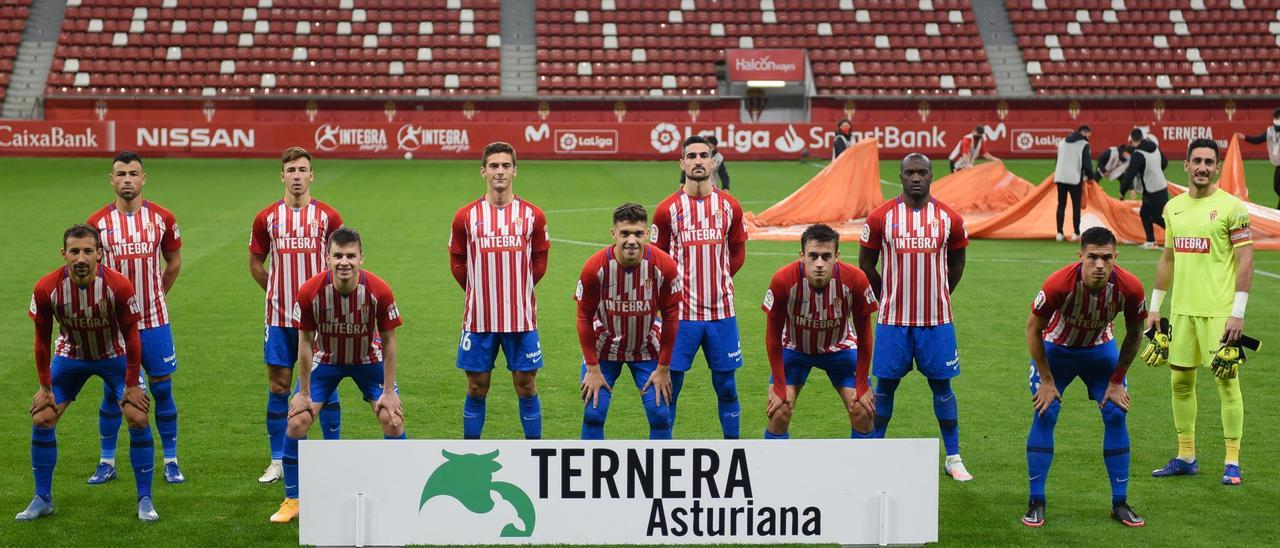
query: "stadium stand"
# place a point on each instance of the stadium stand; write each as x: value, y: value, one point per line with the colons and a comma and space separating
x: 13, y: 17
x: 670, y: 47
x: 1149, y: 47
x: 278, y: 47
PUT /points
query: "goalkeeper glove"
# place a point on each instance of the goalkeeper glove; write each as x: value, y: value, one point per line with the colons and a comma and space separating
x: 1226, y: 363
x: 1157, y: 351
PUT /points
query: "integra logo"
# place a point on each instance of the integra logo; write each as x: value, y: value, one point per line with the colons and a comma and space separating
x: 410, y: 137
x: 196, y: 137
x: 330, y: 137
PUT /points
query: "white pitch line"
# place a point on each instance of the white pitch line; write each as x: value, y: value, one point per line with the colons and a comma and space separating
x: 1267, y: 274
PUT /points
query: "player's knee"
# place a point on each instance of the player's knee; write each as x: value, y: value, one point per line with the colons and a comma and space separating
x: 280, y: 386
x: 941, y: 388
x: 1112, y: 415
x: 477, y: 385
x: 861, y: 418
x: 299, y: 425
x: 594, y: 416
x: 659, y: 416
x: 134, y: 417
x: 726, y: 386
x: 526, y: 384
x: 391, y: 425
x: 44, y: 418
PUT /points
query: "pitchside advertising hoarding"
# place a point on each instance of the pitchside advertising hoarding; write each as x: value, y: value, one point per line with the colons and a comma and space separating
x: 562, y: 140
x: 618, y: 492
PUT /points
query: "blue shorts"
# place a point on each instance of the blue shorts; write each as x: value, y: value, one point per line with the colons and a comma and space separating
x: 933, y: 348
x: 325, y: 378
x: 280, y: 348
x: 640, y: 371
x: 69, y: 375
x: 158, y: 356
x: 478, y: 351
x: 841, y: 367
x: 719, y: 342
x: 1093, y: 364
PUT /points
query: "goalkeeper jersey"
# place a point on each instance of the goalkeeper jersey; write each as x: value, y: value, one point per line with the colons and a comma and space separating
x: 1203, y: 234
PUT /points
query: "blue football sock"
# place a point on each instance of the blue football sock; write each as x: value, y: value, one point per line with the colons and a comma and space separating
x: 403, y: 436
x: 166, y: 417
x: 331, y: 418
x: 884, y: 404
x: 1040, y: 449
x: 531, y: 417
x: 856, y: 435
x: 593, y: 417
x: 659, y: 415
x: 1115, y: 451
x: 277, y: 422
x: 142, y: 457
x: 109, y: 420
x: 472, y: 417
x: 291, y: 466
x: 677, y: 383
x: 44, y: 456
x: 726, y: 388
x: 771, y: 436
x: 944, y: 408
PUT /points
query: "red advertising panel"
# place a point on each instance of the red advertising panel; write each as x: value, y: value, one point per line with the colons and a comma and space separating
x: 22, y: 138
x: 765, y: 64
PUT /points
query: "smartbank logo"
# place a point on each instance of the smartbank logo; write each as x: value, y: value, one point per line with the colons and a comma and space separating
x: 53, y: 137
x: 330, y: 137
x: 763, y: 64
x: 196, y: 137
x: 586, y: 141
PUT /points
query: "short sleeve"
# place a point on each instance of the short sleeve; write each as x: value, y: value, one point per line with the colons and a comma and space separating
x: 388, y: 313
x: 873, y: 231
x: 1238, y: 228
x: 541, y: 238
x: 128, y: 311
x: 1135, y: 305
x: 865, y: 301
x: 40, y: 309
x: 1048, y: 299
x: 1168, y: 228
x: 673, y: 285
x: 303, y: 317
x: 660, y: 230
x: 259, y: 237
x: 172, y: 239
x: 737, y: 229
x: 959, y: 235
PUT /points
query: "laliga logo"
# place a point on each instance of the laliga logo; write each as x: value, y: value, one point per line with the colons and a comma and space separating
x: 568, y: 141
x: 327, y: 137
x: 1025, y: 141
x: 409, y: 137
x: 790, y: 141
x: 664, y: 138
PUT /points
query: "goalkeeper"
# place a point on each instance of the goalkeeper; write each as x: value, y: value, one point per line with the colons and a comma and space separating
x: 1208, y: 259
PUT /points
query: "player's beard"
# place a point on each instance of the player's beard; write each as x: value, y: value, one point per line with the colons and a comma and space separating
x: 82, y: 270
x: 697, y: 178
x: 127, y: 194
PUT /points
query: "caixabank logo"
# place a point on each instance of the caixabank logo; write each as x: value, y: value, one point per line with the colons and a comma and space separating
x: 468, y: 479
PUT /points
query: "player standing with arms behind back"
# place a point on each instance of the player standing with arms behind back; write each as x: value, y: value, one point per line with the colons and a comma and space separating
x: 809, y: 305
x: 136, y: 234
x: 923, y: 241
x: 701, y: 228
x: 97, y: 317
x: 1069, y: 335
x: 498, y: 251
x: 293, y: 231
x: 629, y: 300
x: 1208, y: 257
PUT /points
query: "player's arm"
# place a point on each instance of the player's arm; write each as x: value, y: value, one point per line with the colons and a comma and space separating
x: 389, y: 401
x: 1164, y: 274
x: 670, y: 298
x: 955, y: 268
x: 541, y: 246
x: 1254, y: 139
x: 1244, y: 281
x: 301, y: 402
x: 1048, y: 390
x: 1137, y: 164
x: 588, y: 297
x: 1116, y: 391
x: 737, y: 240
x: 458, y: 250
x: 863, y: 328
x: 869, y: 252
x: 173, y: 265
x: 660, y: 230
x: 258, y: 269
x: 43, y: 319
x: 775, y: 308
x: 259, y: 245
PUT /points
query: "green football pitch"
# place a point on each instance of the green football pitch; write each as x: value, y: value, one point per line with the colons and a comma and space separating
x: 404, y: 210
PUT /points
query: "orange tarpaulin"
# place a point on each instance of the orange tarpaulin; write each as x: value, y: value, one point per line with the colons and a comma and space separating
x: 985, y: 188
x: 1232, y: 178
x: 1033, y: 217
x: 840, y: 195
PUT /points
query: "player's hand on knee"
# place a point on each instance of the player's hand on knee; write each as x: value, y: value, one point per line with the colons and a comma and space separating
x: 660, y: 380
x: 301, y: 403
x: 43, y: 399
x: 1045, y: 396
x: 1116, y: 394
x: 592, y: 383
x: 775, y: 402
x: 1226, y: 362
x: 389, y: 402
x: 867, y: 401
x: 137, y: 397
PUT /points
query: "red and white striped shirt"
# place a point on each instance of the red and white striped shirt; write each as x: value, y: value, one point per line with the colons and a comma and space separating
x: 915, y: 244
x: 347, y: 326
x: 1079, y: 316
x: 628, y: 313
x: 499, y: 244
x: 91, y: 318
x: 817, y: 321
x: 697, y: 233
x: 295, y: 240
x: 133, y: 245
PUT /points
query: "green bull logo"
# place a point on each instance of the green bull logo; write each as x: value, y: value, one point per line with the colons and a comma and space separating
x: 468, y: 479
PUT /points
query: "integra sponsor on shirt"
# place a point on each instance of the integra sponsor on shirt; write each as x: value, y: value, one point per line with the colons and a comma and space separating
x: 1191, y: 245
x: 702, y: 236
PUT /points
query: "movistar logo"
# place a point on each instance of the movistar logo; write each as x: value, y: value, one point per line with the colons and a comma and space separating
x: 468, y: 479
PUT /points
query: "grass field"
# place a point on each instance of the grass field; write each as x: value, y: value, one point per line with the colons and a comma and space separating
x: 404, y: 210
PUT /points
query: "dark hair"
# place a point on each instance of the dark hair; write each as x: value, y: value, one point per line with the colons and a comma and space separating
x: 1084, y: 128
x: 844, y: 121
x: 980, y: 129
x: 497, y: 147
x: 1098, y: 235
x: 695, y: 140
x: 127, y: 157
x: 1204, y: 143
x: 1275, y: 113
x: 713, y: 141
x: 819, y: 233
x: 630, y: 212
x: 293, y: 153
x: 345, y: 235
x: 1136, y: 135
x: 81, y: 230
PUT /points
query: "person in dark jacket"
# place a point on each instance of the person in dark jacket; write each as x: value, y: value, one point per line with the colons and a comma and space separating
x: 1146, y: 171
x: 1272, y: 138
x: 1074, y: 168
x: 843, y: 139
